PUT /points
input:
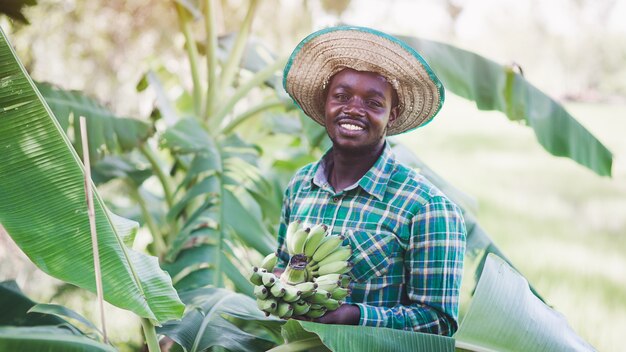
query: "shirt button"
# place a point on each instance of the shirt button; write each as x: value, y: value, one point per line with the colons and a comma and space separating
x: 335, y: 199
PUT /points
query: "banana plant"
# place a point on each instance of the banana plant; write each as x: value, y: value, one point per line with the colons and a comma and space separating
x: 28, y: 326
x: 43, y: 208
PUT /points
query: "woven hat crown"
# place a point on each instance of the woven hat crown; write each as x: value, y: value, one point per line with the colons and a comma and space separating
x: 324, y: 53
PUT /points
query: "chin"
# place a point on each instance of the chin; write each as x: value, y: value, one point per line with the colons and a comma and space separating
x: 357, y: 148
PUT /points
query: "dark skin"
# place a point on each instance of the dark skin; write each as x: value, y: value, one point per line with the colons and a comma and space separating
x: 359, y: 107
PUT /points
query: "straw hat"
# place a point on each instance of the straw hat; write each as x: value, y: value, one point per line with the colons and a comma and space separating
x: 326, y: 52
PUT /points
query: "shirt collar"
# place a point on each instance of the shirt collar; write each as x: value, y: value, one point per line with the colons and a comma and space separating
x: 373, y: 182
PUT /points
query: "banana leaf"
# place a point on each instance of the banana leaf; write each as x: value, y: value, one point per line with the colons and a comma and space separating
x: 43, y: 207
x: 56, y: 310
x: 204, y: 327
x: 15, y: 8
x: 14, y: 308
x: 505, y: 315
x: 47, y: 338
x: 107, y: 132
x: 367, y: 338
x: 496, y: 87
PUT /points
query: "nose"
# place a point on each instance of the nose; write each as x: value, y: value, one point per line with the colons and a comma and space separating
x: 354, y: 107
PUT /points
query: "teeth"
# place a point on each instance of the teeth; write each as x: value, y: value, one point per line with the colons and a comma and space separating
x: 351, y: 127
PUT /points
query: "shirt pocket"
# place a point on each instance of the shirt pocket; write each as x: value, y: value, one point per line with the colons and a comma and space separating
x: 371, y: 254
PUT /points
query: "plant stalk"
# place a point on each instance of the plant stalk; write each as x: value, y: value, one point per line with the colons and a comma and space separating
x: 255, y: 81
x: 154, y: 161
x: 211, y: 55
x: 266, y: 105
x: 150, y: 334
x: 92, y: 226
x: 192, y: 53
x: 228, y: 73
x: 157, y: 236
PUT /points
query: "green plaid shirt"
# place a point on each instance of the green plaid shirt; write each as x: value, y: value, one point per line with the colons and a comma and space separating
x: 408, y: 241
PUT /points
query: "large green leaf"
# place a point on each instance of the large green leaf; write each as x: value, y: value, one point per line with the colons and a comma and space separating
x: 64, y: 313
x: 203, y: 325
x: 47, y: 338
x: 14, y: 307
x: 366, y: 338
x: 505, y: 315
x: 43, y: 208
x: 496, y: 87
x: 107, y: 132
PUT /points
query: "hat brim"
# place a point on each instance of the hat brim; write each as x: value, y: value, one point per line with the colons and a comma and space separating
x: 326, y: 52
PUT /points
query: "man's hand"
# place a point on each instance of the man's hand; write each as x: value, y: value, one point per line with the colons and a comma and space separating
x: 346, y: 314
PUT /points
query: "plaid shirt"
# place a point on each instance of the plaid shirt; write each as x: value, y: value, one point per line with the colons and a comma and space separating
x: 408, y: 242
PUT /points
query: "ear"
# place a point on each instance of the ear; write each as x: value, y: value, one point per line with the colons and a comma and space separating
x: 393, y: 114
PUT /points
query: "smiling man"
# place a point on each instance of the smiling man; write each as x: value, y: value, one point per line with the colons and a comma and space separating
x: 408, y: 238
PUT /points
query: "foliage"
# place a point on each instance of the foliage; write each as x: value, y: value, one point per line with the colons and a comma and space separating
x: 219, y: 179
x: 43, y: 198
x: 27, y: 326
x: 494, y: 87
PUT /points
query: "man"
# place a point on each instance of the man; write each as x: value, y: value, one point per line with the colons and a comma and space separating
x: 408, y: 239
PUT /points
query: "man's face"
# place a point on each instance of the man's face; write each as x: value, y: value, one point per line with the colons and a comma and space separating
x: 359, y: 105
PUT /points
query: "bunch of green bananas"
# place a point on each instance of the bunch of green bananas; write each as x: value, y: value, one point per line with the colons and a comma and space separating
x: 313, y: 282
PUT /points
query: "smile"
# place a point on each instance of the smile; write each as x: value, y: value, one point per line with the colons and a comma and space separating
x: 351, y: 127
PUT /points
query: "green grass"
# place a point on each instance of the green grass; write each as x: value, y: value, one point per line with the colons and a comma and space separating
x: 560, y: 224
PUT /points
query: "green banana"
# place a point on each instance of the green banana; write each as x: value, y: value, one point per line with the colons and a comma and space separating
x: 269, y: 261
x: 292, y: 293
x: 292, y: 228
x: 328, y: 277
x: 327, y: 246
x: 339, y: 293
x: 301, y: 307
x: 268, y: 279
x: 278, y: 289
x: 306, y: 286
x: 307, y: 294
x: 340, y: 254
x: 316, y: 313
x: 334, y: 267
x: 261, y: 292
x: 328, y: 285
x: 255, y: 277
x: 319, y: 297
x: 345, y: 280
x: 331, y: 304
x: 284, y: 310
x: 268, y: 305
x: 298, y: 239
x: 316, y: 235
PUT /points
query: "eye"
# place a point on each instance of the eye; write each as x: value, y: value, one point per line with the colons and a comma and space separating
x: 342, y: 97
x: 374, y: 103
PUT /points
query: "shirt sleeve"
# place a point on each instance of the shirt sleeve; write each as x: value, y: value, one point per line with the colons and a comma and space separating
x: 434, y: 267
x: 283, y: 255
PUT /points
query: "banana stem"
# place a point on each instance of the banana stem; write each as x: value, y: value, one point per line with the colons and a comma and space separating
x: 211, y: 48
x: 159, y: 243
x: 160, y: 174
x: 228, y: 73
x: 150, y: 335
x: 274, y: 103
x: 192, y: 53
x: 255, y: 81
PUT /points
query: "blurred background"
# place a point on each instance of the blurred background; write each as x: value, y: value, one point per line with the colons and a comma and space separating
x: 562, y: 226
